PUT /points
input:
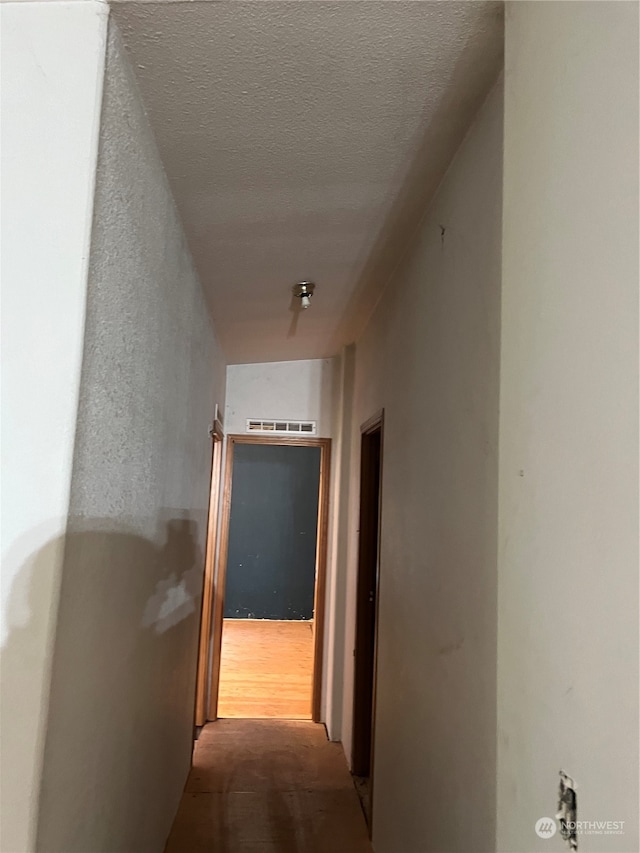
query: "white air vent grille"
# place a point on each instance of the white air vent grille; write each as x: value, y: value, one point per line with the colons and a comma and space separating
x: 282, y: 427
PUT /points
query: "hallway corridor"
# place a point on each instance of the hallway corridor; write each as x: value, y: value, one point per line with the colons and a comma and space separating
x: 268, y: 786
x: 320, y: 420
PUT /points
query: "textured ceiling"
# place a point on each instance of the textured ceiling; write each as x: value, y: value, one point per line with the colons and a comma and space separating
x: 303, y: 140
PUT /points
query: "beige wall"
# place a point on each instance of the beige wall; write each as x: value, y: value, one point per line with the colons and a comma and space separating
x: 568, y: 559
x: 52, y: 69
x: 120, y: 727
x: 430, y: 357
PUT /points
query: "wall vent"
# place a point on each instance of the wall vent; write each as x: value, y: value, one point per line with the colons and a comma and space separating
x: 281, y: 427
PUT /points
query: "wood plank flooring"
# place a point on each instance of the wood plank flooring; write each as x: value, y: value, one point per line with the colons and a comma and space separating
x: 268, y: 786
x: 266, y: 669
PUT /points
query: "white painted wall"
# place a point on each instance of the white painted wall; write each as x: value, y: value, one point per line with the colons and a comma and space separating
x: 52, y: 69
x: 120, y: 723
x: 430, y: 358
x: 298, y: 390
x: 568, y: 559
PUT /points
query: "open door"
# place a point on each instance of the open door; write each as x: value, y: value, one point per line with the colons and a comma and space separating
x: 206, y: 619
x: 367, y: 608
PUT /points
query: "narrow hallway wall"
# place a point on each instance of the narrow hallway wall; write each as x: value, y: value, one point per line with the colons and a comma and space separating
x: 430, y: 358
x: 52, y: 70
x: 568, y: 560
x: 122, y: 701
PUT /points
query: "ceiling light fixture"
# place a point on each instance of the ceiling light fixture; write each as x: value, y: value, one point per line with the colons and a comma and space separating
x: 304, y: 291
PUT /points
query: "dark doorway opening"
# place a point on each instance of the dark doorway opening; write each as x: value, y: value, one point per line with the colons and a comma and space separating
x: 367, y: 609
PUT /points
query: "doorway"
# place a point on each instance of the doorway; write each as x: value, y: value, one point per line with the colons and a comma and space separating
x: 270, y: 593
x: 367, y: 609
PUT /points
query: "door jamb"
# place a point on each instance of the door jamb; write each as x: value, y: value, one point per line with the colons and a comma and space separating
x: 321, y: 561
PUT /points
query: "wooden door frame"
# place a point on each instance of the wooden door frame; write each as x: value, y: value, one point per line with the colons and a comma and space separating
x: 371, y: 426
x: 321, y: 560
x: 204, y: 642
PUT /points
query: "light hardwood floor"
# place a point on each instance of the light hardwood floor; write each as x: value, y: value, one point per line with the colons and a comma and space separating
x: 266, y: 669
x: 268, y: 786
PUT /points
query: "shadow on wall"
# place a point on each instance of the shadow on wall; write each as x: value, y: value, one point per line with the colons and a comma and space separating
x: 122, y: 681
